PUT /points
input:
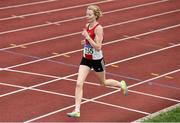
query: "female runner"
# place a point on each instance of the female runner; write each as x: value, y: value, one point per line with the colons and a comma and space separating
x: 92, y: 58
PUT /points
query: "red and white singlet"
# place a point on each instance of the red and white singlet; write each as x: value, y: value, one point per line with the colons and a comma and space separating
x: 89, y: 52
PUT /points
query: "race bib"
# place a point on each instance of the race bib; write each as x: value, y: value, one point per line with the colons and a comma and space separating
x: 88, y: 50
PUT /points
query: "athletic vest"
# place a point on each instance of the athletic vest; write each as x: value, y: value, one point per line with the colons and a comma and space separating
x: 89, y: 52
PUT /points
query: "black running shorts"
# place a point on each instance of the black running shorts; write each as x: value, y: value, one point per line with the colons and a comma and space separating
x: 97, y: 65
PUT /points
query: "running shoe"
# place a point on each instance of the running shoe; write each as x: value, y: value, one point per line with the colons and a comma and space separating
x: 124, y: 87
x: 74, y: 114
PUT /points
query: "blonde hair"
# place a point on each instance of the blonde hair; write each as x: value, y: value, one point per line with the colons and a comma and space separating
x: 97, y: 11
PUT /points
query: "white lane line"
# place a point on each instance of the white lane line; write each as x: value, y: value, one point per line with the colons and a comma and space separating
x: 31, y: 73
x: 145, y: 54
x: 56, y: 10
x: 15, y: 16
x: 62, y: 109
x: 26, y: 4
x: 54, y: 80
x: 11, y: 85
x: 13, y: 92
x: 121, y: 107
x: 95, y: 98
x: 30, y: 88
x: 66, y: 77
x: 160, y: 76
x: 137, y: 92
x: 77, y: 18
x: 77, y: 33
x: 124, y: 39
x: 120, y: 61
x: 156, y: 96
x: 70, y: 96
x: 99, y: 102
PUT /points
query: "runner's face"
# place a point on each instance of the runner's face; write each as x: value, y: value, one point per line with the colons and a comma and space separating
x: 90, y: 16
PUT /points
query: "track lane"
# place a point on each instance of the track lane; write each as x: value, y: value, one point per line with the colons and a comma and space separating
x: 58, y: 51
x: 68, y: 14
x: 70, y: 107
x: 37, y: 9
x: 42, y: 33
x: 74, y: 34
x: 20, y: 79
x: 123, y: 60
x: 170, y: 87
x: 6, y: 89
x: 121, y: 31
x: 38, y: 101
x: 43, y: 115
x: 14, y: 2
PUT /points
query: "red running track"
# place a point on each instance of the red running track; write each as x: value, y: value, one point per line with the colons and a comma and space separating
x: 148, y: 62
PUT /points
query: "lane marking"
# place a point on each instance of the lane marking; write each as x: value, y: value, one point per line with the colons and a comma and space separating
x: 171, y: 43
x: 70, y: 96
x: 64, y: 55
x: 37, y: 85
x: 166, y: 74
x: 144, y: 54
x: 166, y: 86
x: 26, y: 4
x: 120, y: 61
x: 154, y: 74
x: 13, y: 45
x: 116, y: 66
x: 77, y: 33
x: 86, y: 82
x: 78, y: 18
x: 155, y: 96
x: 56, y: 10
x: 67, y: 56
x: 121, y: 107
x: 160, y: 76
x: 133, y: 91
x: 126, y: 36
x: 54, y: 53
x: 95, y: 98
x: 17, y: 16
x: 169, y: 77
x: 124, y: 39
x: 21, y: 46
